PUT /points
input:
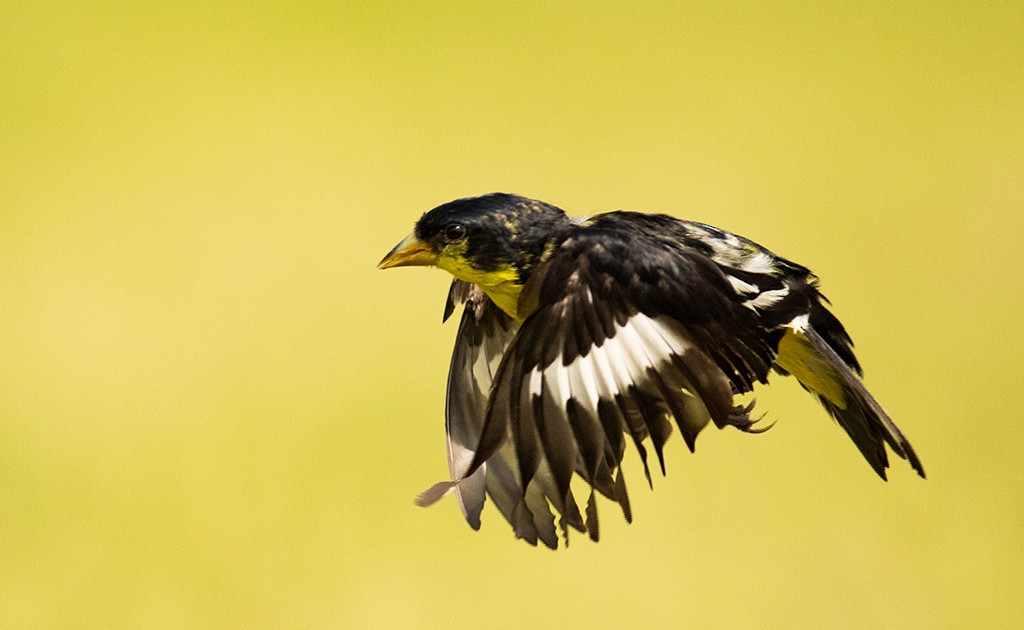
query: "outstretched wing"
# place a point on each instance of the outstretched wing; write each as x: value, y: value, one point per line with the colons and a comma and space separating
x: 628, y: 328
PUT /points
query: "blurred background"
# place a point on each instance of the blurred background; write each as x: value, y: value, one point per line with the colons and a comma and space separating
x: 215, y: 411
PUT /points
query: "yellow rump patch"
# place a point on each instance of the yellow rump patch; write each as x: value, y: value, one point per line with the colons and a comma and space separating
x: 798, y: 357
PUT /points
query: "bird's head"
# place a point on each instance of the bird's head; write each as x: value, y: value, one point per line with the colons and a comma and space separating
x: 490, y: 240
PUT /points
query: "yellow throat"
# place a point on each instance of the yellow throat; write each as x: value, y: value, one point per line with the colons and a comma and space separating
x: 501, y: 285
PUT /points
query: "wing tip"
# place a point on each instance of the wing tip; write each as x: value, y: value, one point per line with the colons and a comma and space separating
x: 911, y: 457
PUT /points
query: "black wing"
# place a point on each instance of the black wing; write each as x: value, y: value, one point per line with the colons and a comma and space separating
x: 629, y: 327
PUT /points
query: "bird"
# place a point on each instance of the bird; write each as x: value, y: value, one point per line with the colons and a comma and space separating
x: 580, y: 335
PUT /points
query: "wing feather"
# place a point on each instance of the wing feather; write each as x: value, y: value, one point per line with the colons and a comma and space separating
x: 483, y: 336
x: 603, y: 354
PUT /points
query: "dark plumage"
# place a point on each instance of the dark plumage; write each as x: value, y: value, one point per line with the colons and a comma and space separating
x: 580, y: 335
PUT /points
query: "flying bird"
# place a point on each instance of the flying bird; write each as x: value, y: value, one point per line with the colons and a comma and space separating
x: 580, y: 335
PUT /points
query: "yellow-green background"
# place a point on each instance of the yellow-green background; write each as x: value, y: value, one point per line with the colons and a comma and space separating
x: 215, y: 411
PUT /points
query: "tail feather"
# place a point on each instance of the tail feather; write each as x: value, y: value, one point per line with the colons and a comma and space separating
x: 805, y: 354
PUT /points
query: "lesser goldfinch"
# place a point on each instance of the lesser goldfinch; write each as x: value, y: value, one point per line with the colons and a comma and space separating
x: 579, y: 333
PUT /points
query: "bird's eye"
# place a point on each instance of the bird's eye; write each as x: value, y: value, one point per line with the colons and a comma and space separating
x: 455, y: 232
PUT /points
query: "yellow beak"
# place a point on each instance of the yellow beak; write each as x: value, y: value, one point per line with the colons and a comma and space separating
x: 410, y: 252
